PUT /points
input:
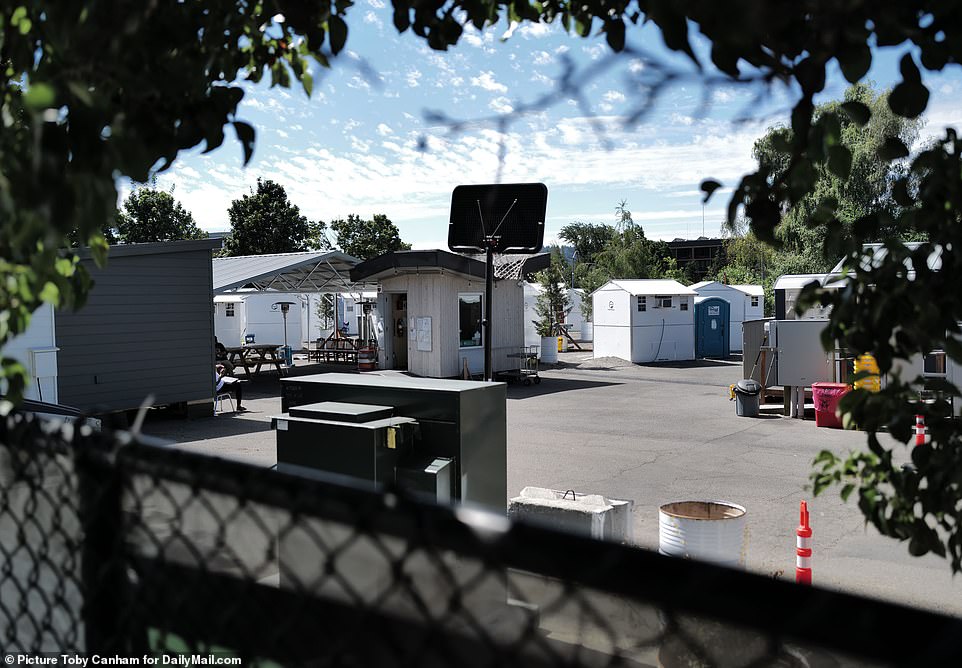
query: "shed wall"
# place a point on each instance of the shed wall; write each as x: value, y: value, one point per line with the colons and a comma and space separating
x: 147, y: 328
x: 436, y: 296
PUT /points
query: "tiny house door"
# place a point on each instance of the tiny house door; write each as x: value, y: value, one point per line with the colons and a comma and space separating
x: 712, y: 327
x: 399, y: 331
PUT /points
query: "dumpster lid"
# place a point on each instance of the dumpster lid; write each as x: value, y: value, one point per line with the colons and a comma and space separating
x: 748, y: 386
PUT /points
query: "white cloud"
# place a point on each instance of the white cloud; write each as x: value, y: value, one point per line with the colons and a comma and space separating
x: 543, y: 58
x: 473, y: 39
x: 384, y: 130
x: 486, y: 81
x: 534, y: 30
x: 595, y: 51
x: 282, y: 133
x: 377, y: 4
x: 412, y: 78
x: 501, y: 105
x: 723, y: 95
x: 636, y: 66
x: 613, y: 96
x: 372, y: 19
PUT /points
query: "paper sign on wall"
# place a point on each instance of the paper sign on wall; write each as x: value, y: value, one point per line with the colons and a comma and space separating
x: 423, y: 333
x: 714, y: 310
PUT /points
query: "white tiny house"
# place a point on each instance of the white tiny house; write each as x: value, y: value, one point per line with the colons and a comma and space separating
x: 747, y: 303
x: 645, y: 320
x: 36, y: 349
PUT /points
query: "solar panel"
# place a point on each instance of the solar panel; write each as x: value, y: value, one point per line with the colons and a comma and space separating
x: 510, y: 215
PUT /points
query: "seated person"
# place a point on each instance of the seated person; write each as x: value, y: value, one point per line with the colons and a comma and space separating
x: 224, y: 383
x: 220, y: 354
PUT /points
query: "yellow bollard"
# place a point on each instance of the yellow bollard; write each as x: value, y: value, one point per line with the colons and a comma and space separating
x: 561, y: 344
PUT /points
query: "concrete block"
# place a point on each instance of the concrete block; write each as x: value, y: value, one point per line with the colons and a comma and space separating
x: 590, y: 515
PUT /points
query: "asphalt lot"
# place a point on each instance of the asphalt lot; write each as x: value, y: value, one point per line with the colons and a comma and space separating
x: 656, y: 434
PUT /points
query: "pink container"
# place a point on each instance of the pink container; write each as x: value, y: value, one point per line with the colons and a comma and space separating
x: 826, y: 396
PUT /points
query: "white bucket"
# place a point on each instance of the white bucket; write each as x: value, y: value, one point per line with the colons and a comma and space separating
x: 549, y: 349
x: 706, y: 530
x: 587, y: 330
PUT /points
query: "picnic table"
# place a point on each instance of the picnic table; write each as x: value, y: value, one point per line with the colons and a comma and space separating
x: 335, y: 348
x: 255, y: 355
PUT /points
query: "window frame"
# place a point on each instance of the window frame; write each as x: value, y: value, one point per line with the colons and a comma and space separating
x: 641, y: 303
x: 683, y: 303
x: 229, y: 310
x: 755, y: 301
x: 480, y: 344
x: 661, y: 300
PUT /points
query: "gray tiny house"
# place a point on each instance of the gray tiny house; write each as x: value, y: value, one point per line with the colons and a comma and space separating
x: 146, y: 329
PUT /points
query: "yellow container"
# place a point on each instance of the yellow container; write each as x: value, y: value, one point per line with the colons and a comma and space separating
x: 561, y: 344
x: 871, y: 383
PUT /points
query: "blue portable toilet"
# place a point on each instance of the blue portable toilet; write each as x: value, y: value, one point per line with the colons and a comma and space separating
x: 712, y: 316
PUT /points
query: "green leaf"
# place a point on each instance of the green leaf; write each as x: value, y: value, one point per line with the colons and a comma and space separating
x: 307, y: 82
x: 39, y: 96
x: 709, y: 186
x: 245, y: 133
x: 909, y: 99
x: 892, y: 149
x: 840, y: 161
x: 99, y: 249
x: 50, y: 293
x: 855, y: 62
x: 858, y: 112
x: 338, y: 33
x: 847, y: 491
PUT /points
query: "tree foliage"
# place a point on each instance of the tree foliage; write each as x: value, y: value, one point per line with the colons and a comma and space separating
x: 552, y: 304
x: 96, y: 91
x: 265, y: 221
x: 807, y: 243
x: 154, y: 215
x: 365, y: 239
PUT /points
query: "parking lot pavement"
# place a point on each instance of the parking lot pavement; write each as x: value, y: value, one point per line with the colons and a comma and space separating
x: 656, y: 434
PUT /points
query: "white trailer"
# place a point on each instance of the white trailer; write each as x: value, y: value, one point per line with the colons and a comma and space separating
x: 647, y: 320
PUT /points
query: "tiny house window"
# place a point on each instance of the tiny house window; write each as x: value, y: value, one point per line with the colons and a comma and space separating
x: 229, y: 310
x: 469, y: 320
x: 663, y: 301
x: 642, y: 305
x: 754, y: 302
x: 683, y: 303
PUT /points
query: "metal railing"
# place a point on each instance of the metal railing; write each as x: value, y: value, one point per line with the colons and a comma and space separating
x: 119, y: 547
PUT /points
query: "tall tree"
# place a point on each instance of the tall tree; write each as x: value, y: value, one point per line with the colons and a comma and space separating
x: 365, y: 239
x: 265, y: 221
x: 808, y: 244
x: 154, y: 215
x: 552, y: 304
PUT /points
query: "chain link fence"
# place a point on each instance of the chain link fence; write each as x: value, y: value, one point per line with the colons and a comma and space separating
x: 114, y: 545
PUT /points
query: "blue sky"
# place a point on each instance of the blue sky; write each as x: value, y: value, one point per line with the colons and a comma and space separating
x: 353, y: 147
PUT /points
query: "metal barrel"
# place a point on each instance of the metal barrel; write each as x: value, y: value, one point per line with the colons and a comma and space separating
x: 706, y: 530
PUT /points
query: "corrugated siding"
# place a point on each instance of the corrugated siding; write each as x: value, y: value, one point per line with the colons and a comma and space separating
x: 147, y: 328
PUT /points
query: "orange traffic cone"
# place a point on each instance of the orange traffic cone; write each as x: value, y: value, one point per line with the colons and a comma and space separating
x: 803, y: 547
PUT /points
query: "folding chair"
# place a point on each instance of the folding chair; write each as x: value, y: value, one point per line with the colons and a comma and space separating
x: 219, y: 403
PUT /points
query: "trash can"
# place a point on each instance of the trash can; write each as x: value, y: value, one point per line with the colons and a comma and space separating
x: 826, y: 397
x: 746, y: 397
x: 288, y: 354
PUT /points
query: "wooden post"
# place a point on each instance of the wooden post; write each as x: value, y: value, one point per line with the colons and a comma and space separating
x: 763, y: 375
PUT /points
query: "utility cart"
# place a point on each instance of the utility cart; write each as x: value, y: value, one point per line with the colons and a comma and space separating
x: 527, y: 370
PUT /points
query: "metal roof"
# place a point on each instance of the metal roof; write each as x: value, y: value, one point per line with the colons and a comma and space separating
x: 650, y: 286
x: 319, y: 271
x: 751, y: 290
x: 798, y: 281
x: 506, y: 267
x: 873, y: 254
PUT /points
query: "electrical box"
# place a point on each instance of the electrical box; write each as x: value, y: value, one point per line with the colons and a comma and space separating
x: 360, y: 441
x: 801, y: 358
x: 461, y: 421
x: 429, y: 477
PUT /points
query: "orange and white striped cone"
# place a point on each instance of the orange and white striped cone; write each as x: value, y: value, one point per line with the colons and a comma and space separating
x: 803, y: 547
x: 919, y: 430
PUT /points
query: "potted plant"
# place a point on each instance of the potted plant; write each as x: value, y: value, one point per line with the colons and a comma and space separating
x: 551, y: 307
